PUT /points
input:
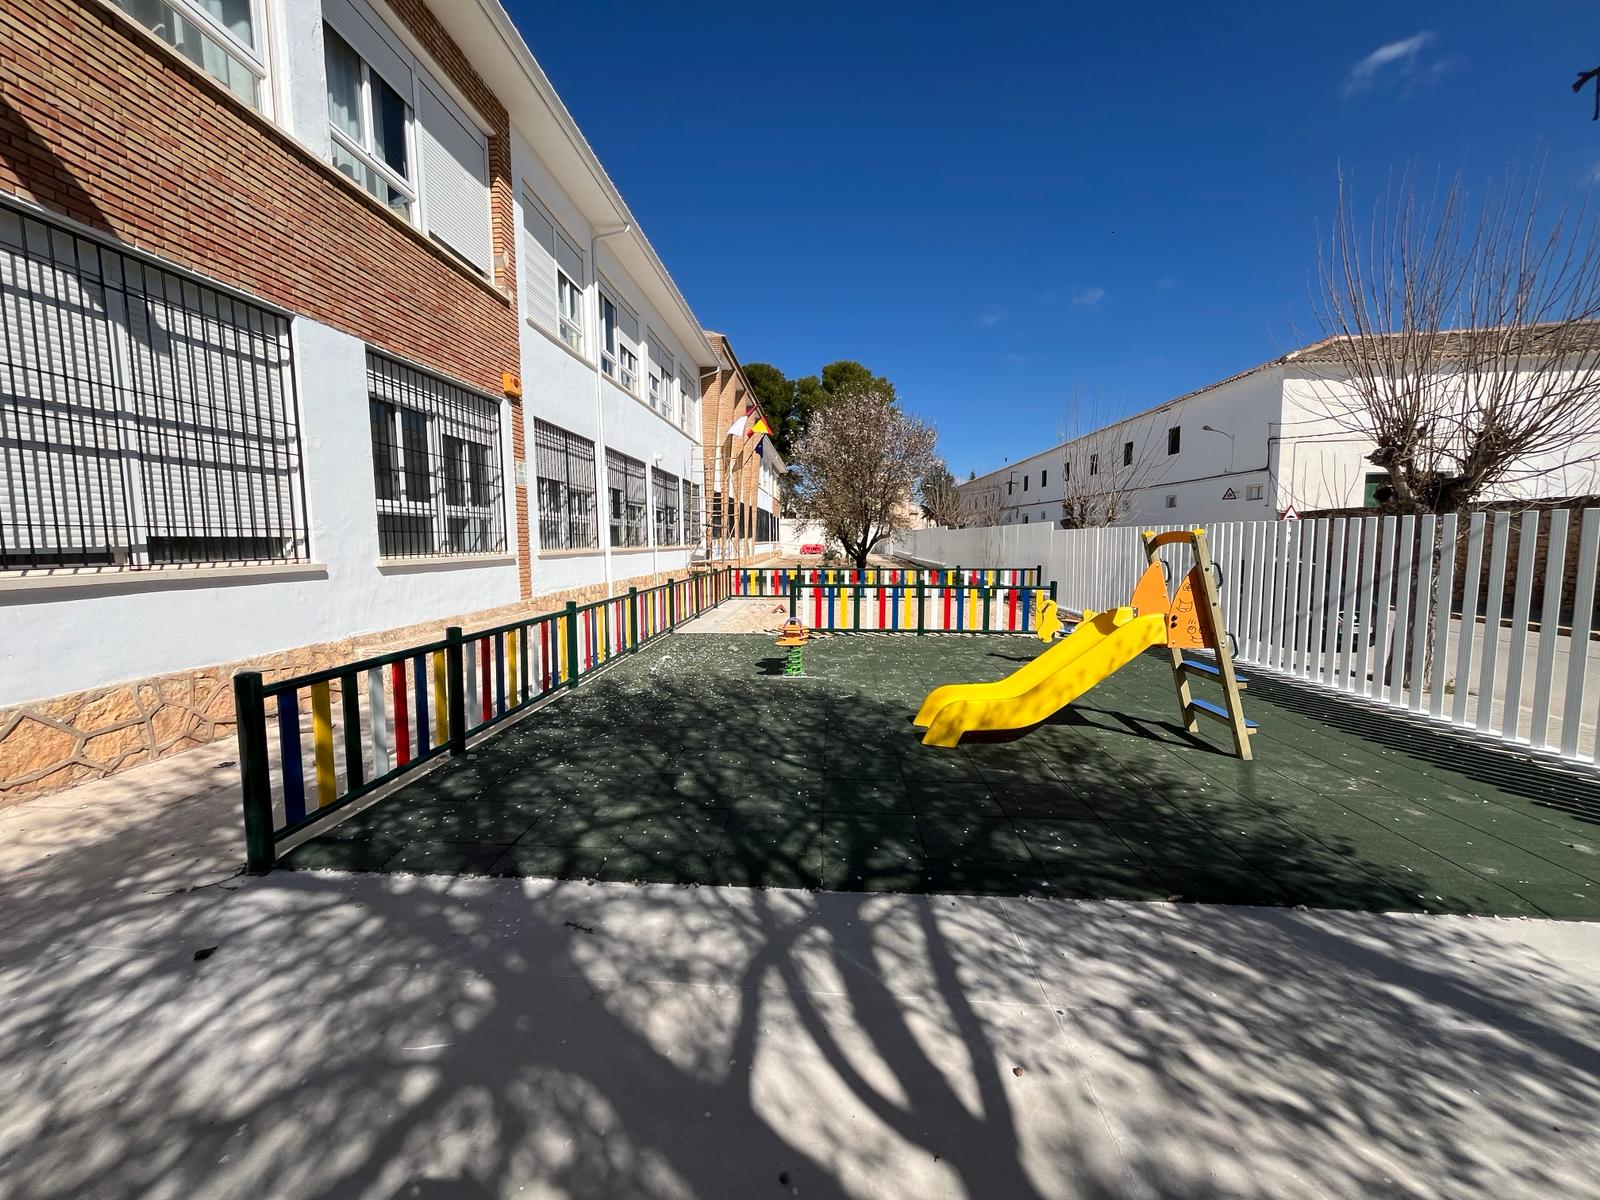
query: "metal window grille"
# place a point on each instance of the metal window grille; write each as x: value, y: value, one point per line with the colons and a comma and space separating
x: 565, y: 470
x: 716, y: 516
x: 694, y: 511
x: 625, y: 486
x: 146, y: 419
x: 666, y: 489
x: 435, y: 464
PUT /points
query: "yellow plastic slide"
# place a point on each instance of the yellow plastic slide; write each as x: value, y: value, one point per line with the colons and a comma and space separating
x: 1094, y: 650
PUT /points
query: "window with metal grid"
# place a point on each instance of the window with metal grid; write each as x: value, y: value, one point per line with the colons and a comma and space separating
x: 692, y: 508
x: 146, y: 419
x: 666, y: 497
x: 435, y: 464
x: 625, y: 493
x: 564, y: 463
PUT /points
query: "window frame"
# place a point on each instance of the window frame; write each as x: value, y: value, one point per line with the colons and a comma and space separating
x: 1171, y: 500
x: 257, y: 62
x: 623, y: 530
x: 551, y: 442
x: 368, y: 156
x: 618, y: 362
x: 1255, y: 491
x: 1174, y: 439
x: 1127, y: 454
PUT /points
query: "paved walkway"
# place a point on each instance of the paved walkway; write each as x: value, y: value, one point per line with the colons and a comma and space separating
x: 169, y: 1029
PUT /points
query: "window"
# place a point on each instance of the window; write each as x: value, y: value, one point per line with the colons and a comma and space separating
x: 666, y: 496
x: 145, y: 418
x: 1127, y: 454
x: 564, y: 466
x: 1024, y: 483
x: 435, y: 464
x: 692, y: 507
x: 1066, y: 471
x: 1173, y: 439
x: 552, y: 271
x: 1172, y: 502
x: 1376, y: 482
x: 371, y: 126
x: 689, y: 401
x: 1254, y: 491
x: 224, y: 38
x: 1024, y: 518
x: 619, y: 339
x: 1011, y: 486
x: 1094, y: 464
x: 661, y: 377
x: 1044, y: 476
x: 625, y: 491
x: 398, y: 134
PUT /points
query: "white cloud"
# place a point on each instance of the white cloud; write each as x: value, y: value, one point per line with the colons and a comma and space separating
x: 992, y: 316
x: 1088, y: 297
x: 1389, y: 63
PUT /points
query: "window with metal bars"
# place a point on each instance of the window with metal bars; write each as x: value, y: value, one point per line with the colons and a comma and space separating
x: 146, y: 419
x: 692, y: 508
x: 766, y: 526
x: 666, y: 497
x: 625, y: 494
x: 435, y: 464
x: 565, y: 468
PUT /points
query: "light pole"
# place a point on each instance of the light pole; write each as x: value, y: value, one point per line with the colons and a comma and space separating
x: 1229, y: 436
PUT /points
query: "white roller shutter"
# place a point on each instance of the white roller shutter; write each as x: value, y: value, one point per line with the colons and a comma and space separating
x: 539, y: 267
x: 455, y: 178
x: 569, y: 258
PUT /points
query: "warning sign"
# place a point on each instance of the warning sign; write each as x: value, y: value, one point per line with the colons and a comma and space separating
x: 1230, y: 494
x: 1289, y: 514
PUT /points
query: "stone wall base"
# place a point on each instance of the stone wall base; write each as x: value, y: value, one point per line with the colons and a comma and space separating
x: 47, y: 745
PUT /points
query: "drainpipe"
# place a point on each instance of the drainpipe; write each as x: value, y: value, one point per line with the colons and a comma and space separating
x: 599, y: 399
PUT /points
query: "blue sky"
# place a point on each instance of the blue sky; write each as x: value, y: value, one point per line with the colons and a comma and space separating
x: 1001, y: 207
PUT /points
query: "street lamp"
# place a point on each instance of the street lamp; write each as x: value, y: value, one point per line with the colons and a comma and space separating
x: 1226, y: 434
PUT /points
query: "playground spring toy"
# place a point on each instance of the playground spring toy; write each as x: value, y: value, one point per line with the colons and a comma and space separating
x: 1102, y: 644
x: 793, y: 638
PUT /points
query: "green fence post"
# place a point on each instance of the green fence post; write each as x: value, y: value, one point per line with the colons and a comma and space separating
x: 855, y: 621
x: 794, y: 595
x: 922, y: 595
x: 672, y: 604
x: 572, y: 644
x: 633, y: 618
x: 1052, y: 589
x: 250, y: 716
x: 985, y: 595
x: 455, y: 688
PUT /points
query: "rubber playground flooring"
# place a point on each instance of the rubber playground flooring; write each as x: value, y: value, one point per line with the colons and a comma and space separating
x: 696, y: 762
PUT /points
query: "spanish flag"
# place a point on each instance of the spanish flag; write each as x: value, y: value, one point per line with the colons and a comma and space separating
x: 760, y: 426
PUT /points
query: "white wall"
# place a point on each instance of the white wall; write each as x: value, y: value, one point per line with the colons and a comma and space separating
x: 104, y: 630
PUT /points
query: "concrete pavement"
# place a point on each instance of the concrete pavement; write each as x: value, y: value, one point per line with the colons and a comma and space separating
x: 171, y: 1029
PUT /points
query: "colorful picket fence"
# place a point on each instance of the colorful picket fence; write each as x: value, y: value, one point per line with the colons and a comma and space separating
x: 779, y: 581
x: 373, y: 721
x: 917, y: 608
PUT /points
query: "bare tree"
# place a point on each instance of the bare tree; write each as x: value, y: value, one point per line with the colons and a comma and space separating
x: 941, y: 503
x: 857, y: 467
x: 1461, y: 338
x: 1104, y: 464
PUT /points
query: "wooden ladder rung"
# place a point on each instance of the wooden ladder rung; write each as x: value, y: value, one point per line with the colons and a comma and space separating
x: 1217, y: 713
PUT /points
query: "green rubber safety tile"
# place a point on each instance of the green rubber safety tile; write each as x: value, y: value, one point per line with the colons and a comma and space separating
x: 965, y: 800
x: 1072, y: 841
x: 541, y: 861
x: 1219, y: 883
x: 1331, y: 881
x: 867, y: 797
x: 321, y: 854
x: 666, y: 831
x: 446, y: 858
x: 1102, y: 879
x: 407, y: 820
x: 1439, y: 887
x: 737, y: 867
x: 959, y: 876
x: 935, y: 765
x: 858, y: 835
x: 904, y: 876
x: 576, y: 826
x: 973, y: 839
x: 1042, y: 803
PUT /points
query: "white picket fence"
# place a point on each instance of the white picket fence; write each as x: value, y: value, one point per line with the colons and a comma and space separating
x: 1436, y: 616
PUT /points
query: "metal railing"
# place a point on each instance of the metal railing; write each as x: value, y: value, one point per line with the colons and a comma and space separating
x: 949, y: 604
x: 779, y: 581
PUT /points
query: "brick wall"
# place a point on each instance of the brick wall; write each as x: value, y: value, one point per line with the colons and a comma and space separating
x: 723, y: 400
x: 103, y: 124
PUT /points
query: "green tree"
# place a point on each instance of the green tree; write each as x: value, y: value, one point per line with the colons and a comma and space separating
x: 791, y: 403
x: 775, y: 393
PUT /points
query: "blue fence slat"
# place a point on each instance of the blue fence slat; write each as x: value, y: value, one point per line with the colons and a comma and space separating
x: 294, y: 779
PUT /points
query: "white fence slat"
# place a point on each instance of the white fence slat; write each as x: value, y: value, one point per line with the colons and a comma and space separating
x: 1305, y: 614
x: 1405, y: 558
x: 1332, y: 573
x: 1361, y: 621
x: 1441, y: 614
x: 1318, y: 623
x: 1511, y: 717
x: 1468, y: 634
x: 378, y: 715
x: 1578, y: 645
x: 1382, y: 601
x: 1419, y: 613
x: 1285, y: 575
x: 1555, y: 561
x: 1349, y: 590
x: 1494, y: 601
x: 1258, y: 560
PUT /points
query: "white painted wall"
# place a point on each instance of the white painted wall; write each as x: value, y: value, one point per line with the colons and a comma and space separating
x: 88, y: 635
